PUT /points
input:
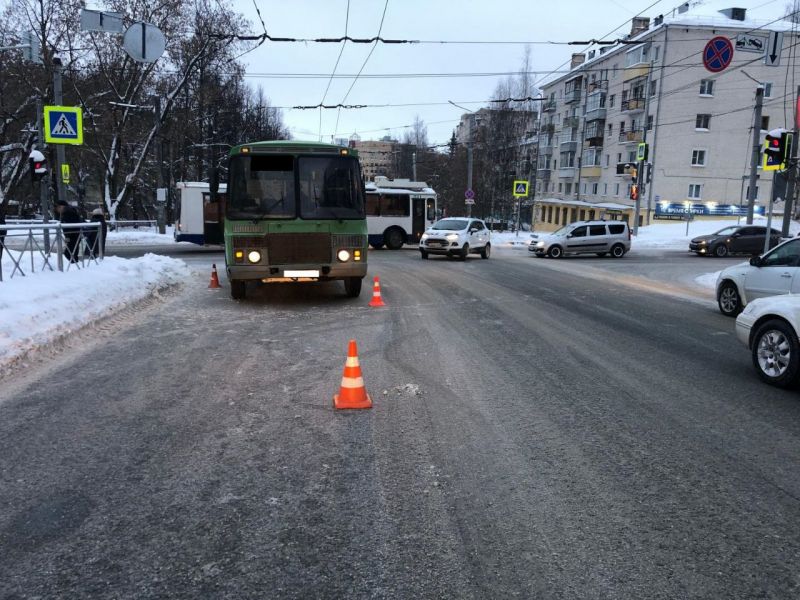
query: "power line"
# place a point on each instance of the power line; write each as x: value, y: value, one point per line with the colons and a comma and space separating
x: 338, y: 58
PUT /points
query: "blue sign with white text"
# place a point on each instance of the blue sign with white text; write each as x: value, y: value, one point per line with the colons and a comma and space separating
x: 704, y: 209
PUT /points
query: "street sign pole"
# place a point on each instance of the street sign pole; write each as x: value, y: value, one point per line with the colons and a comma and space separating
x: 44, y: 187
x: 791, y: 185
x: 58, y: 97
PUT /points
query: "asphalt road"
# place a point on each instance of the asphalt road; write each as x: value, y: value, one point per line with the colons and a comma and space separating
x: 540, y: 429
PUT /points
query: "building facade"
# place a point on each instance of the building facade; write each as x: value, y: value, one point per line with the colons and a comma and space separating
x: 698, y: 124
x: 378, y: 158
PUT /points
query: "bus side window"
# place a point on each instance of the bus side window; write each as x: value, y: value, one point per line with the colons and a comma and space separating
x: 373, y: 205
x: 431, y: 216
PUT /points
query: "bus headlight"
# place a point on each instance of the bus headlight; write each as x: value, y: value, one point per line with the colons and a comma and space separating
x: 238, y: 255
x: 254, y: 256
x: 343, y: 255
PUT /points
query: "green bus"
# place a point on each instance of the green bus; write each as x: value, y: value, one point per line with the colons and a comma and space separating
x: 294, y: 212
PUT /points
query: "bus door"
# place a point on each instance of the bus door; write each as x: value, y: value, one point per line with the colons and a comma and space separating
x: 213, y: 231
x: 418, y: 219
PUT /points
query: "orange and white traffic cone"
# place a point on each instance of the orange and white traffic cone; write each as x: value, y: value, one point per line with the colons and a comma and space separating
x: 376, y: 293
x: 214, y: 283
x: 352, y: 393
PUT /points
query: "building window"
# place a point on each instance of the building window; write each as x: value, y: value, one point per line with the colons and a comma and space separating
x: 653, y: 88
x: 765, y: 122
x: 616, y: 189
x: 649, y: 122
x: 559, y: 187
x: 558, y: 212
x: 583, y: 214
x: 621, y: 127
x: 573, y: 215
x: 568, y: 188
x: 656, y: 52
x: 605, y: 189
x: 702, y: 122
x: 767, y: 89
x: 706, y: 87
x: 614, y: 71
x: 611, y: 99
x: 610, y: 128
x: 698, y: 158
x: 594, y: 188
x: 632, y: 156
x: 694, y: 191
x: 619, y: 157
x: 608, y: 159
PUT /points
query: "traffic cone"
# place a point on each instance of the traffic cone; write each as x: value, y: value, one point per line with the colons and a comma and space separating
x: 352, y: 393
x: 214, y: 283
x: 376, y: 293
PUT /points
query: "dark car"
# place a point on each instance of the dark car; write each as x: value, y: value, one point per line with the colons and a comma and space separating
x: 736, y: 239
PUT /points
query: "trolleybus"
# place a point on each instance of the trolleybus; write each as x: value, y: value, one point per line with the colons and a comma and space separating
x: 398, y: 211
x: 294, y: 212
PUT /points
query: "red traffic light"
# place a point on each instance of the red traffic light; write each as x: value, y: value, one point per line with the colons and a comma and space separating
x: 775, y: 142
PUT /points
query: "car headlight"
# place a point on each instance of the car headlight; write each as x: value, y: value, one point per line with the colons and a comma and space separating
x: 343, y: 255
x: 254, y: 256
x: 452, y: 237
x: 703, y: 242
x: 540, y: 244
x: 424, y: 237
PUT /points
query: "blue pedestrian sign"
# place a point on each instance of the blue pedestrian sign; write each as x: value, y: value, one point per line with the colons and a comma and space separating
x: 718, y: 54
x: 63, y: 125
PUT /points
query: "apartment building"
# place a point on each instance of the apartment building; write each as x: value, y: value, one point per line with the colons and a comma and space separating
x: 698, y: 123
x: 377, y: 157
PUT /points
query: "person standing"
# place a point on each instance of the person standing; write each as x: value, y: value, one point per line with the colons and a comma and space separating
x: 93, y: 244
x: 72, y: 237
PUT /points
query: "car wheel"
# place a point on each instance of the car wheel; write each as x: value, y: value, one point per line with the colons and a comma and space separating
x: 238, y: 289
x: 601, y: 254
x: 352, y: 287
x: 728, y: 299
x: 423, y: 254
x: 487, y: 250
x: 776, y: 353
x: 464, y: 252
x: 721, y: 251
x: 554, y: 252
x: 618, y: 251
x: 394, y: 238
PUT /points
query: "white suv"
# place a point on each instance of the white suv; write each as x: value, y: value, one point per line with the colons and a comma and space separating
x: 456, y: 236
x: 584, y: 237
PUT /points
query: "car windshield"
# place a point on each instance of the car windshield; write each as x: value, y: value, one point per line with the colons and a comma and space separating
x: 450, y: 224
x: 727, y: 230
x: 563, y: 230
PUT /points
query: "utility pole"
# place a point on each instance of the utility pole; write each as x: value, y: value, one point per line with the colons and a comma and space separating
x: 58, y: 97
x: 161, y: 202
x: 791, y: 185
x: 469, y: 164
x: 640, y: 178
x: 751, y: 195
x: 414, y: 165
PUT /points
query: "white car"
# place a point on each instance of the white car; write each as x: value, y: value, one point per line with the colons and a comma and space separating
x: 776, y: 272
x: 456, y: 236
x: 769, y: 326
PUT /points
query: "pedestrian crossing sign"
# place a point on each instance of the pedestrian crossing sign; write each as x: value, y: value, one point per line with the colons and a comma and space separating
x: 520, y: 189
x: 63, y: 125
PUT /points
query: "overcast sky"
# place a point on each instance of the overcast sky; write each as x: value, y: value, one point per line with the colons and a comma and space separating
x: 463, y: 20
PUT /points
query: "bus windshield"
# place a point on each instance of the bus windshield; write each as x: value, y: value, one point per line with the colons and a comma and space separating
x: 265, y: 187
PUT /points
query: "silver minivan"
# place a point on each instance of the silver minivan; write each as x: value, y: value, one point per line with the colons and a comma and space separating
x: 584, y: 237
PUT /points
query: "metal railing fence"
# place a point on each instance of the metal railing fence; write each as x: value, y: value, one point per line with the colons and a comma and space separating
x: 51, y: 246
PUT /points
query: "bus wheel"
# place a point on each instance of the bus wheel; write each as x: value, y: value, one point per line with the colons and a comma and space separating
x: 352, y: 287
x: 394, y: 238
x: 238, y: 289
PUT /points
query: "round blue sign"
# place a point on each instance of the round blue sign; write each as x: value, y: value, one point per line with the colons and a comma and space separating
x: 718, y: 54
x: 469, y: 194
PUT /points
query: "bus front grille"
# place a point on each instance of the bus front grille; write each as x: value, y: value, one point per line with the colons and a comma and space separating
x: 299, y: 248
x: 348, y: 240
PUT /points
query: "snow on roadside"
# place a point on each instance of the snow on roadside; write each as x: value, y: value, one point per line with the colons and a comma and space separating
x: 135, y: 237
x: 708, y: 280
x: 37, y: 309
x: 667, y: 236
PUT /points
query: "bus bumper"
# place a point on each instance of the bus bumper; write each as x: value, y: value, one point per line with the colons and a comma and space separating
x: 283, y: 273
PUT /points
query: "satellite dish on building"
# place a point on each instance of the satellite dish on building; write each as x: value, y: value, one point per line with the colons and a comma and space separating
x: 144, y: 42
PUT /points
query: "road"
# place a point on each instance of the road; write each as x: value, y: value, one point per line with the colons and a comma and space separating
x: 540, y: 429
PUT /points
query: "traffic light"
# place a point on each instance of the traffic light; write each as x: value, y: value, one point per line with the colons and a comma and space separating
x: 38, y: 165
x: 634, y: 174
x: 634, y: 192
x: 777, y: 149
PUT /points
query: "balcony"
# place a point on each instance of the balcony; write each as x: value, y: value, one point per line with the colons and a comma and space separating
x: 591, y: 171
x: 572, y: 96
x: 543, y: 173
x: 595, y: 86
x: 633, y: 136
x: 568, y: 146
x: 571, y: 122
x: 595, y: 113
x: 633, y: 105
x: 566, y: 172
x: 549, y: 105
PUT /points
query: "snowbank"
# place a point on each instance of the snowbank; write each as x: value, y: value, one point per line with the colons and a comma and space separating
x: 669, y: 236
x: 147, y: 237
x: 37, y: 309
x: 708, y: 280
